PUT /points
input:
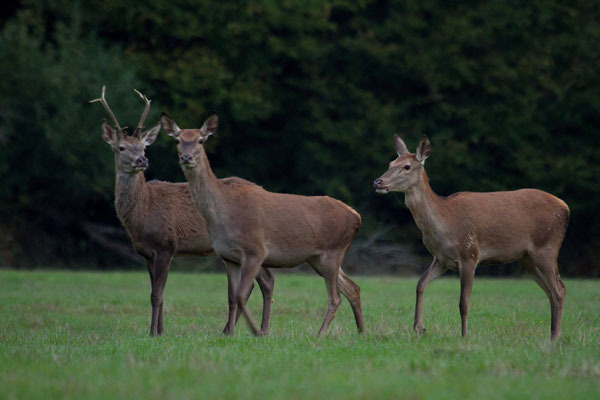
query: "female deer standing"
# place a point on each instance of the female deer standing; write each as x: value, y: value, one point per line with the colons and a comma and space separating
x: 249, y: 226
x: 466, y: 229
x: 159, y: 217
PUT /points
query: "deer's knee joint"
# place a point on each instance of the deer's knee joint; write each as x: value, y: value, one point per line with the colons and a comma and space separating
x: 240, y: 299
x: 156, y: 299
x: 336, y: 301
x: 560, y: 299
x: 269, y: 278
x: 231, y: 299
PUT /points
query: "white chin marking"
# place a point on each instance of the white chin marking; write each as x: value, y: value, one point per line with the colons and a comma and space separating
x: 382, y: 191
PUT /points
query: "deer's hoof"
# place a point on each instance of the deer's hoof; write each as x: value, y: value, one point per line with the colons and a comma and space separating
x: 419, y: 330
x: 227, y: 331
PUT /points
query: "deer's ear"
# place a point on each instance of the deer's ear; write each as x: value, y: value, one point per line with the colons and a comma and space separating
x: 149, y: 136
x: 109, y: 133
x: 169, y: 125
x: 400, y: 146
x: 423, y: 149
x: 210, y: 125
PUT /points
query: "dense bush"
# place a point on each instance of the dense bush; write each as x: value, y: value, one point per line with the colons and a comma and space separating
x: 309, y: 95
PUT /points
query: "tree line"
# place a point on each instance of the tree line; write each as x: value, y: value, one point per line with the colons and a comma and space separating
x: 309, y: 94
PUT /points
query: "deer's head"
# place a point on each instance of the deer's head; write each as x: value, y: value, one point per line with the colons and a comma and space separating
x: 189, y: 141
x: 406, y: 170
x: 128, y: 149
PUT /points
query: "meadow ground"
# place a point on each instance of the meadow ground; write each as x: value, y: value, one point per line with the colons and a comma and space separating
x: 85, y: 335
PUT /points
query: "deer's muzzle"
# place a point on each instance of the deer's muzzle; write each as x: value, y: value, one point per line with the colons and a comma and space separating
x: 380, y: 187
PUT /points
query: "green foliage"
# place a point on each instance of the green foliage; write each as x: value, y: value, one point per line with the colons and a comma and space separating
x: 84, y: 335
x: 56, y: 171
x: 310, y: 93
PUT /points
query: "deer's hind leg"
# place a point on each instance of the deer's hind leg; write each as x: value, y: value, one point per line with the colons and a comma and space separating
x: 544, y: 270
x: 266, y: 283
x: 351, y: 291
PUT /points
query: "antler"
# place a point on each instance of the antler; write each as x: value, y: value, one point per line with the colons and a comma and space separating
x: 140, y: 126
x: 107, y: 108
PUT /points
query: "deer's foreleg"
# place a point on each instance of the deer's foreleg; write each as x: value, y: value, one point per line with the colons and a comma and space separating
x: 249, y: 269
x: 233, y: 281
x: 434, y: 271
x: 467, y: 274
x: 162, y: 264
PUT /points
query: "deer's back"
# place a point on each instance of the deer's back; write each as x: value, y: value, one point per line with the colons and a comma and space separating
x: 292, y: 226
x: 320, y: 220
x: 507, y: 222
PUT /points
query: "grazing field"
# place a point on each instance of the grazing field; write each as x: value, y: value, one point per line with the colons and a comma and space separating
x: 85, y: 335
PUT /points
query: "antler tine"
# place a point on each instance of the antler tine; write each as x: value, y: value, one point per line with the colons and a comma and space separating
x: 107, y: 108
x: 140, y: 126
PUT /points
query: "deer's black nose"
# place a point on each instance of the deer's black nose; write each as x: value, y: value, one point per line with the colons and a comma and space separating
x: 141, y: 161
x: 186, y: 158
x: 377, y: 182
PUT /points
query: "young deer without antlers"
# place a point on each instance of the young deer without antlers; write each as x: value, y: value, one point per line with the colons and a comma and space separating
x: 159, y: 217
x: 249, y: 226
x: 466, y: 229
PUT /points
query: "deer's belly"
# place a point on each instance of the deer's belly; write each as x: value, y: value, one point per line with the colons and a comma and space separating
x: 284, y: 258
x: 227, y: 252
x: 491, y: 255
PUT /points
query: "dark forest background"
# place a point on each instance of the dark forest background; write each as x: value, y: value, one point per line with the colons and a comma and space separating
x: 309, y: 94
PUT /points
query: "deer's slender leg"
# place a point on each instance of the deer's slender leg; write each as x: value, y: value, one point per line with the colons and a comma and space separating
x: 548, y: 271
x: 466, y: 270
x: 351, y: 291
x: 266, y: 282
x: 239, y: 310
x: 162, y: 263
x: 545, y: 273
x: 249, y: 270
x: 434, y: 271
x: 327, y: 266
x: 233, y: 281
x: 153, y: 322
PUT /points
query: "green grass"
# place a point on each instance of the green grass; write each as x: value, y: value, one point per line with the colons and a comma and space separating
x: 84, y: 335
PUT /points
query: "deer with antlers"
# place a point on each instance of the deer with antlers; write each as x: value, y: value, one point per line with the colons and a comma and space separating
x: 249, y: 226
x: 160, y: 217
x: 467, y: 229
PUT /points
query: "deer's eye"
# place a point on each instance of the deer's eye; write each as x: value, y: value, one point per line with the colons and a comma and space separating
x: 121, y: 148
x: 176, y: 140
x: 407, y: 167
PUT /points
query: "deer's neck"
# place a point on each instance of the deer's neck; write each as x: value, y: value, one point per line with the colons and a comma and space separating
x: 130, y: 197
x: 426, y: 208
x: 206, y: 191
